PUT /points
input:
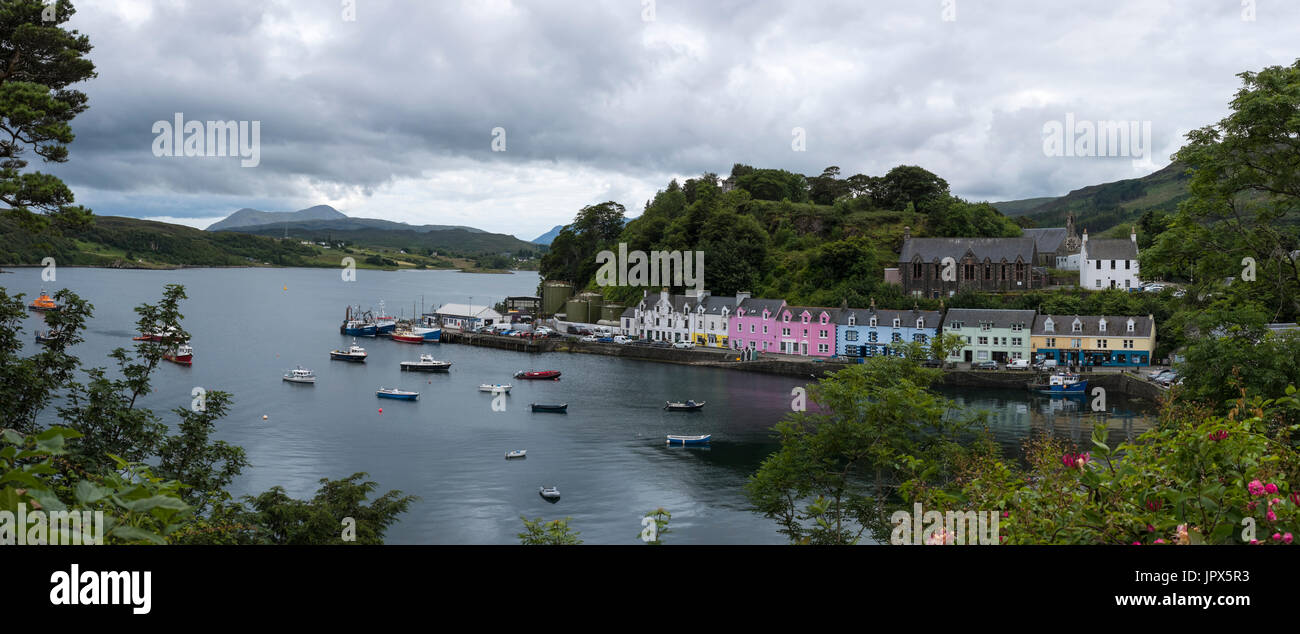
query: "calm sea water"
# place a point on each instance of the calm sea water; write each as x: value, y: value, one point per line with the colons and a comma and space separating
x: 607, y: 454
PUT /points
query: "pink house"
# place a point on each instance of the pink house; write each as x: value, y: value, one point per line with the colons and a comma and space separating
x: 754, y: 325
x: 807, y: 331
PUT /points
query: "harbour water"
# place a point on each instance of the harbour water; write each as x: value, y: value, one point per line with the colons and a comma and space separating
x: 607, y: 454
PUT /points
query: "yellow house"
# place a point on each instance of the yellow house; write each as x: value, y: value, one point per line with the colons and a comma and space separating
x: 1094, y: 340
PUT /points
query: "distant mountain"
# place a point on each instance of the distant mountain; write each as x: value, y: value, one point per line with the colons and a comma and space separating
x: 446, y: 240
x: 547, y: 237
x: 252, y: 217
x: 1098, y: 208
x: 330, y: 218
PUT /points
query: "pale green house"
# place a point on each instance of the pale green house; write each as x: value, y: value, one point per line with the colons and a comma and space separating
x: 990, y: 335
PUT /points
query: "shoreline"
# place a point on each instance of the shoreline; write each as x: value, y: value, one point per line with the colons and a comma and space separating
x: 1124, y: 383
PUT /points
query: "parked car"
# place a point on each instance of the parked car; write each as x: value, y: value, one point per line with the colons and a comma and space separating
x: 984, y: 365
x: 1167, y: 378
x: 620, y: 339
x: 544, y: 332
x: 661, y: 344
x: 605, y: 339
x: 684, y: 345
x: 1018, y: 364
x: 588, y: 339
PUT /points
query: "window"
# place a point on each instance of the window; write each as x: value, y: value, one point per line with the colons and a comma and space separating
x: 920, y: 323
x: 984, y: 341
x: 871, y: 336
x: 1112, y: 264
x: 821, y: 347
x: 873, y: 321
x: 1049, y: 325
x: 822, y: 333
x: 1102, y: 343
x: 852, y: 351
x: 1098, y: 265
x: 765, y: 329
x: 919, y: 338
x: 1130, y: 325
x: 897, y: 338
x: 853, y: 320
x: 1128, y: 264
x: 983, y: 355
x: 1128, y: 283
x: 1015, y: 341
x: 916, y: 270
x: 1076, y: 326
x: 1074, y: 343
x: 786, y: 318
x: 751, y: 329
x: 850, y: 335
x: 897, y: 322
x: 1101, y: 325
x: 1017, y: 327
x: 985, y: 326
x: 1128, y: 344
x: 1051, y: 342
x: 785, y: 332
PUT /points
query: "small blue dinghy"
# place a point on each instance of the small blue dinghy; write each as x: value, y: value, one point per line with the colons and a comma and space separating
x: 689, y: 440
x: 401, y: 395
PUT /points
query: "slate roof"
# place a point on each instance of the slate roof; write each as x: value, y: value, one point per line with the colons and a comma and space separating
x: 1048, y: 238
x: 714, y: 305
x: 754, y: 306
x: 1116, y: 326
x: 994, y: 249
x: 1111, y: 249
x: 813, y: 311
x: 973, y: 317
x: 629, y: 312
x: 907, y: 318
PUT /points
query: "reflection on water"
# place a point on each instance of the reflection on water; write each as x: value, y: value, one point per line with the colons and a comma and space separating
x: 1016, y: 415
x: 607, y: 455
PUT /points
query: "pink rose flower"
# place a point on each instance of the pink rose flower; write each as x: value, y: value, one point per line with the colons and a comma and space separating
x: 1270, y: 487
x: 1255, y: 487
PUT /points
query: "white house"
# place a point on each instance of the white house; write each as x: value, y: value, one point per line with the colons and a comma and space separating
x: 466, y: 316
x: 695, y: 316
x: 1109, y: 263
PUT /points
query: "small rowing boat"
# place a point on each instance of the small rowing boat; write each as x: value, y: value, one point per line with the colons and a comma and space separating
x: 538, y: 375
x: 426, y: 364
x: 401, y: 395
x: 354, y: 353
x: 689, y: 440
x: 688, y: 406
x: 558, y: 408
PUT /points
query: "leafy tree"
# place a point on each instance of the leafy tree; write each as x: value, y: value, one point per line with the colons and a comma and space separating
x: 539, y: 532
x: 954, y: 217
x: 910, y: 184
x: 876, y: 432
x: 770, y: 184
x: 41, y: 61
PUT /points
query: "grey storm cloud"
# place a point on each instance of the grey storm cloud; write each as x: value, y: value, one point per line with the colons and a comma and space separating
x: 401, y: 103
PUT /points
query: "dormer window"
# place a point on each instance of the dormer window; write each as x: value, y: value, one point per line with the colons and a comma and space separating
x: 1130, y: 325
x: 873, y: 321
x: 804, y: 318
x: 786, y: 318
x: 1101, y: 325
x: 897, y: 322
x: 853, y: 320
x: 1049, y: 325
x: 920, y: 323
x: 1076, y: 326
x: 824, y: 318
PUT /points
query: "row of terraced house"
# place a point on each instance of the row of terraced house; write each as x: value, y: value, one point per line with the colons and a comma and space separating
x: 773, y: 326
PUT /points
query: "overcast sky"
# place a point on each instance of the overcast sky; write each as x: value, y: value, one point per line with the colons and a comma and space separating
x: 391, y: 114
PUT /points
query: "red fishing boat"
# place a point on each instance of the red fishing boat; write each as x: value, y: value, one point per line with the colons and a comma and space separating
x: 183, y: 355
x: 540, y: 374
x: 406, y: 336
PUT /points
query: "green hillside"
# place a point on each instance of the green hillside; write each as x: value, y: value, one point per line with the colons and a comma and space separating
x: 457, y: 242
x: 1100, y: 208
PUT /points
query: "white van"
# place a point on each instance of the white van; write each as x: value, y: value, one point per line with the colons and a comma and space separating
x: 1018, y: 364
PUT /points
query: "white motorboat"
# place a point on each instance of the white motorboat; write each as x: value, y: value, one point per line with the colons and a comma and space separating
x: 494, y: 388
x: 517, y: 453
x: 300, y: 375
x: 426, y: 364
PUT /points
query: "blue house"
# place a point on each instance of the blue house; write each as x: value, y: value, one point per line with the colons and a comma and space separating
x: 869, y: 332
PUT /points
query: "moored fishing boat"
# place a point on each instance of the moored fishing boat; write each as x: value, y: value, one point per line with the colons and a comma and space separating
x: 429, y: 334
x: 182, y: 354
x: 43, y: 303
x: 688, y: 406
x: 354, y: 353
x: 359, y: 328
x: 407, y: 336
x: 1061, y: 384
x: 46, y: 336
x: 384, y: 324
x: 495, y: 387
x: 426, y: 364
x: 394, y: 393
x: 538, y: 374
x: 300, y: 375
x: 689, y: 440
x: 558, y: 408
